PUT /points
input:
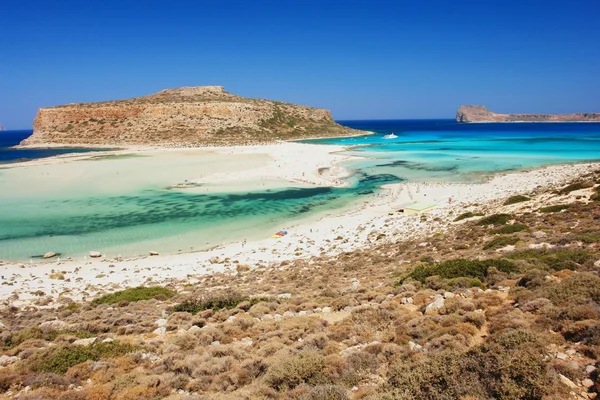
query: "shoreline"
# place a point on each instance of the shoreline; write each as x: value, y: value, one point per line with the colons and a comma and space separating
x: 373, y: 221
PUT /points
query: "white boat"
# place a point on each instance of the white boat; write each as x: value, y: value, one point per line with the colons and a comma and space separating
x: 390, y: 136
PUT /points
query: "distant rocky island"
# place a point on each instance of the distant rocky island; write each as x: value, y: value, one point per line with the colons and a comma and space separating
x: 2, y: 128
x: 182, y: 117
x: 468, y: 113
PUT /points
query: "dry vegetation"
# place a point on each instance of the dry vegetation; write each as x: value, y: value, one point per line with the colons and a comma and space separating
x: 448, y: 317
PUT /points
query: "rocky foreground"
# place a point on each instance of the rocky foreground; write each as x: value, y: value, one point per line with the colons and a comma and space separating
x: 502, y: 304
x: 183, y: 117
x: 468, y: 113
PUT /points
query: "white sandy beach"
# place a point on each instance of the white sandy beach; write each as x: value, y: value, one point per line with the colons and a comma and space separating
x: 283, y: 163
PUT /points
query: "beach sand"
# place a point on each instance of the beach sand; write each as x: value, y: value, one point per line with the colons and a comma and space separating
x: 362, y: 226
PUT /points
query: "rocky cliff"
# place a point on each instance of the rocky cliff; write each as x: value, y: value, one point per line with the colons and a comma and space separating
x: 183, y: 117
x: 482, y: 114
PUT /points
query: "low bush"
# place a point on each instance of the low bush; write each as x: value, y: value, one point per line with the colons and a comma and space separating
x: 304, y: 367
x: 514, y: 356
x: 495, y: 219
x: 500, y: 241
x: 576, y: 186
x: 467, y: 215
x: 556, y: 208
x: 59, y: 359
x: 578, y: 289
x: 460, y: 268
x: 510, y: 229
x: 215, y: 303
x: 554, y: 259
x: 516, y: 199
x: 135, y: 294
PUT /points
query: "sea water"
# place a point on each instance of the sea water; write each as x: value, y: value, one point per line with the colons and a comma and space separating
x: 133, y: 218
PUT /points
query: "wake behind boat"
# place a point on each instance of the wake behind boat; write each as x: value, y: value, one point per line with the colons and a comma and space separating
x: 390, y: 136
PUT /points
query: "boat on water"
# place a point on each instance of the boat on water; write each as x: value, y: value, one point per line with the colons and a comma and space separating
x: 390, y: 136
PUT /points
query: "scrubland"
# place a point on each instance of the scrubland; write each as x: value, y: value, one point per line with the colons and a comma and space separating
x: 502, y: 305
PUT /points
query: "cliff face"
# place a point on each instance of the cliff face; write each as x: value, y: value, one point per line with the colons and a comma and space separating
x: 482, y: 114
x: 183, y: 117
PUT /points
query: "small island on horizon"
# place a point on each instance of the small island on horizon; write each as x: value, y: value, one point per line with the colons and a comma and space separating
x: 473, y: 113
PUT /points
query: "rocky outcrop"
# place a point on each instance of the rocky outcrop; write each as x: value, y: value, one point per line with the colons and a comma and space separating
x: 183, y: 117
x: 482, y: 114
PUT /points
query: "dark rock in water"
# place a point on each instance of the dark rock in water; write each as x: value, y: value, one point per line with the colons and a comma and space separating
x: 469, y: 113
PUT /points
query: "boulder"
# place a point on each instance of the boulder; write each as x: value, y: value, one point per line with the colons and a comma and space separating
x: 587, y: 383
x: 85, y: 342
x: 436, y: 305
x: 50, y: 254
x: 95, y: 254
x: 566, y: 381
x: 7, y: 360
x: 153, y: 253
x: 56, y: 325
x: 160, y: 331
x: 161, y: 322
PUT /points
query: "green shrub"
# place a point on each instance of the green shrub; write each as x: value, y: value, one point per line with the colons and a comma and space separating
x: 467, y: 215
x: 578, y: 289
x: 510, y: 229
x: 14, y: 339
x: 461, y: 268
x: 500, y: 241
x: 556, y: 208
x: 508, y: 367
x: 516, y: 199
x: 305, y: 367
x: 325, y: 392
x: 215, y: 303
x: 59, y: 359
x: 554, y: 259
x: 575, y: 186
x: 496, y: 219
x: 135, y: 294
x: 588, y: 236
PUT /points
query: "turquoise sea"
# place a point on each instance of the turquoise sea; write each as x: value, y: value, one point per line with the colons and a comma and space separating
x: 131, y: 221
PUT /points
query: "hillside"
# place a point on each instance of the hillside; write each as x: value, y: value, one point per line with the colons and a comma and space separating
x: 505, y: 304
x: 468, y: 113
x: 183, y: 117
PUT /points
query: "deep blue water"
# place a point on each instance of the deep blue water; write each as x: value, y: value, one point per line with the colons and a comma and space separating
x: 12, y: 138
x: 443, y: 150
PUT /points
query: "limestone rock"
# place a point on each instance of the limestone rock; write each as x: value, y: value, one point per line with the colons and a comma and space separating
x: 587, y: 383
x: 566, y: 381
x: 470, y: 113
x: 153, y: 253
x: 50, y: 254
x: 7, y: 360
x: 161, y: 322
x: 95, y: 254
x: 284, y: 296
x: 85, y: 342
x: 160, y: 331
x: 182, y: 117
x: 56, y: 325
x: 436, y: 305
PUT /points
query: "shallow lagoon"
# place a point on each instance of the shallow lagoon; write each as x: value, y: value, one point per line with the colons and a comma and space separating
x: 122, y: 205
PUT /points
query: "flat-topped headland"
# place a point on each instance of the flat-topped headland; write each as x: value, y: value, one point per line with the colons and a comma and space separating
x: 469, y: 113
x: 182, y: 117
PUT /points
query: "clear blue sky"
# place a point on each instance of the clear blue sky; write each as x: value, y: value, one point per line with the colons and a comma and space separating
x: 360, y: 59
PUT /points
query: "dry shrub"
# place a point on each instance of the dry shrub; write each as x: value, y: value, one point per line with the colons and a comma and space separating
x: 304, y: 367
x: 519, y: 372
x: 325, y: 392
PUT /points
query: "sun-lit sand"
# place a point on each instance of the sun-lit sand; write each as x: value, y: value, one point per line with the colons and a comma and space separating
x: 374, y: 220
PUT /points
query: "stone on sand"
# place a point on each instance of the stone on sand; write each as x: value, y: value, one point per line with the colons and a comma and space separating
x: 50, y: 254
x: 95, y: 254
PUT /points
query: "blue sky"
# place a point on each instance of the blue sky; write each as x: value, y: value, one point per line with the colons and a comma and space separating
x: 360, y: 59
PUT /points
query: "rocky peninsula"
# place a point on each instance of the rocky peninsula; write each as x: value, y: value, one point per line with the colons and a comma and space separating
x: 182, y: 117
x: 469, y: 113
